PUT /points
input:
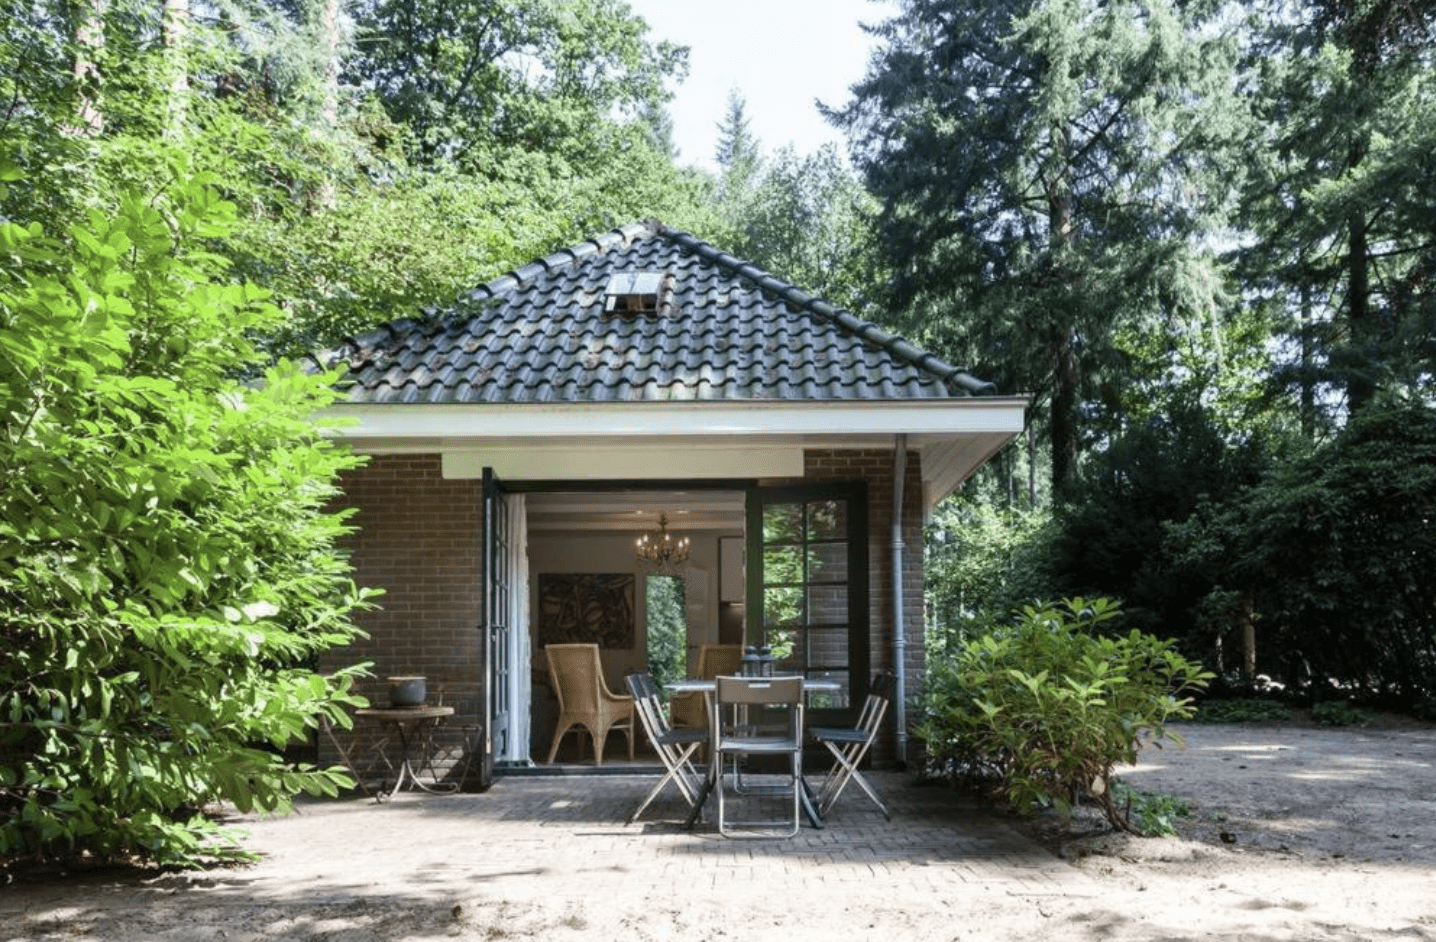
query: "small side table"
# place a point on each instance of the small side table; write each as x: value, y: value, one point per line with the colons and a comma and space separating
x: 415, y: 728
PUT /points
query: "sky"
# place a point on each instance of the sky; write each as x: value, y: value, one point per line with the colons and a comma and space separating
x: 779, y: 54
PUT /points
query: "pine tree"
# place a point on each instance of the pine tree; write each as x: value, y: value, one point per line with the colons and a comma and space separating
x: 1343, y: 197
x: 1047, y: 170
x: 739, y: 155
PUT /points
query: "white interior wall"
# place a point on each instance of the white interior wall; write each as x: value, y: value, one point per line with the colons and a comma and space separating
x: 612, y: 552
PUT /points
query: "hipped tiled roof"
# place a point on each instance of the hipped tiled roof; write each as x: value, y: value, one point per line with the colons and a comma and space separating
x: 725, y: 330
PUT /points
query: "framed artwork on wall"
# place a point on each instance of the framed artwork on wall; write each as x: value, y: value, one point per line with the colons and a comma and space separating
x: 593, y: 608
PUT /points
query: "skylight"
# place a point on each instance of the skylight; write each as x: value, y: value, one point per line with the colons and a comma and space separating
x: 633, y: 292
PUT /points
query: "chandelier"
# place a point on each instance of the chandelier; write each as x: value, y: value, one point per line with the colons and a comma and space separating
x: 660, y: 548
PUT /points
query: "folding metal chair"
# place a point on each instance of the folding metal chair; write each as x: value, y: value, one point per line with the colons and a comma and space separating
x: 849, y: 747
x: 758, y: 716
x: 675, y: 747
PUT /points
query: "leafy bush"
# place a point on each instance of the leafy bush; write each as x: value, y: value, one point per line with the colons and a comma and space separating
x: 1338, y: 713
x: 1153, y: 814
x: 167, y: 566
x: 1336, y: 551
x: 1050, y: 705
x: 1240, y: 710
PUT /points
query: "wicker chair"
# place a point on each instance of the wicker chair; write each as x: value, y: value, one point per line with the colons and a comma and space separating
x: 584, y: 698
x: 691, y: 709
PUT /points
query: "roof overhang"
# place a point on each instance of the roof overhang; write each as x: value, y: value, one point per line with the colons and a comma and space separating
x: 675, y: 440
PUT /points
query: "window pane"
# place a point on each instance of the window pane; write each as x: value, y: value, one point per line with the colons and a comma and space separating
x: 782, y: 523
x: 825, y: 700
x: 828, y: 520
x: 827, y: 647
x: 828, y: 604
x: 782, y: 605
x: 828, y: 562
x: 783, y: 564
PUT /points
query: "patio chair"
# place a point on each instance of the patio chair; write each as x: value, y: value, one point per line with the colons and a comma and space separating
x: 691, y: 709
x: 584, y: 699
x: 849, y: 746
x: 745, y: 711
x: 675, y: 747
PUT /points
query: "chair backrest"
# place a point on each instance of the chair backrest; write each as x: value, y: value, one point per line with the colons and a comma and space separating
x: 780, y: 700
x: 876, y: 705
x: 577, y: 675
x: 647, y: 705
x: 715, y: 659
x: 773, y: 691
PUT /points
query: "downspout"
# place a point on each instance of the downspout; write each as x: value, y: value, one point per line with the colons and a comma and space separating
x: 899, y: 628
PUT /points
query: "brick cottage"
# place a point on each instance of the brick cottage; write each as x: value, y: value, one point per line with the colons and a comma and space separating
x: 522, y: 439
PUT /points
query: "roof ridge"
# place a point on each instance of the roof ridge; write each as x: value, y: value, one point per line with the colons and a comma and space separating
x: 603, y: 242
x: 954, y: 377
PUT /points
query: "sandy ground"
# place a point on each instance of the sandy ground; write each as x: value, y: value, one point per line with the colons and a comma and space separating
x: 1298, y: 832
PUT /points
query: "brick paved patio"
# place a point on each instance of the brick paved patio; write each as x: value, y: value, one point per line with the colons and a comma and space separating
x: 566, y: 837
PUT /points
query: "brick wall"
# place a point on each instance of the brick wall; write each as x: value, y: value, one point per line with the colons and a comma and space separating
x: 419, y: 538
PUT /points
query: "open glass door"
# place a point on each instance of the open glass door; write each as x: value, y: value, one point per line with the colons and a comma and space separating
x: 504, y: 629
x: 807, y: 586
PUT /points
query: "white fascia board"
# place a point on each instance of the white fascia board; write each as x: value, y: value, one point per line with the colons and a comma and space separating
x: 632, y: 462
x: 454, y: 423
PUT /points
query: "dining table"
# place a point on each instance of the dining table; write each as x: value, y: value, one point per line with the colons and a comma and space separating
x: 414, y: 726
x: 707, y: 687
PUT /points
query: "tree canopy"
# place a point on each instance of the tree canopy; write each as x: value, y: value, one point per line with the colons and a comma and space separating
x: 1045, y: 169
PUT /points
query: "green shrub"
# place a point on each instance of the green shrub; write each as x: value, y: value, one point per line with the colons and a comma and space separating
x: 1050, y: 705
x: 1241, y: 710
x: 1153, y: 814
x: 1338, y: 713
x: 169, y: 566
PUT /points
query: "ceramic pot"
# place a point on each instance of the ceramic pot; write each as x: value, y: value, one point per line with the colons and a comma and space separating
x: 407, y: 691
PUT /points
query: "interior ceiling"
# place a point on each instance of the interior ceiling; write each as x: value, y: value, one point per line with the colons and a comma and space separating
x: 636, y: 511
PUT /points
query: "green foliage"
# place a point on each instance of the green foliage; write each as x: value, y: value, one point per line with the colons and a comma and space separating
x: 1336, y: 549
x: 979, y: 559
x: 1340, y: 197
x: 1111, y: 539
x: 667, y: 630
x: 1338, y: 713
x: 1153, y: 814
x: 1046, y: 171
x: 167, y: 566
x: 807, y: 220
x: 1241, y: 710
x: 476, y: 80
x: 1051, y: 704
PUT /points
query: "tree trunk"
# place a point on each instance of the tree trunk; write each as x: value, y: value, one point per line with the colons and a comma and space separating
x: 329, y: 39
x: 1066, y: 371
x: 1065, y: 380
x: 89, y: 44
x: 174, y: 29
x: 1360, y: 385
x: 1031, y: 466
x: 1308, y: 366
x: 1247, y: 619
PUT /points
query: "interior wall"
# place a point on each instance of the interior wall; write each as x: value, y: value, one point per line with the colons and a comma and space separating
x: 574, y: 553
